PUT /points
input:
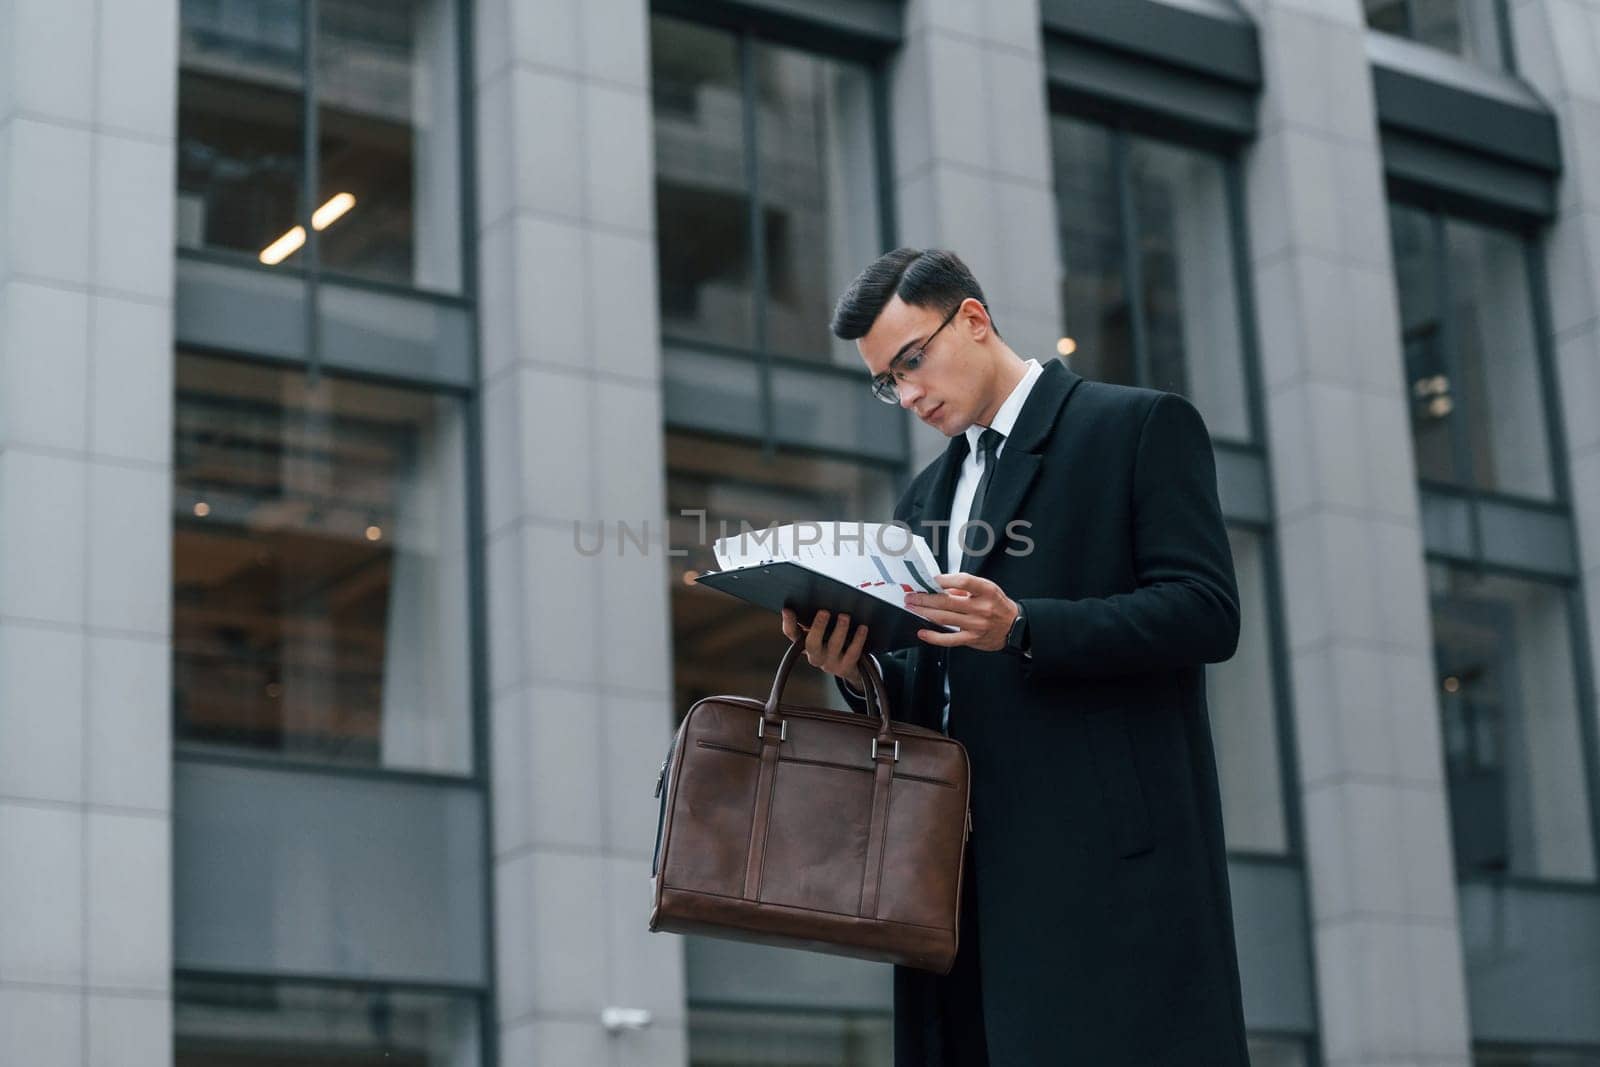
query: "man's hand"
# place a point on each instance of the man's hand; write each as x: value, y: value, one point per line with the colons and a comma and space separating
x: 979, y: 607
x: 829, y: 651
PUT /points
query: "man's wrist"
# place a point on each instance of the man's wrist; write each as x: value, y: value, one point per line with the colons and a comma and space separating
x: 850, y: 687
x: 1018, y: 638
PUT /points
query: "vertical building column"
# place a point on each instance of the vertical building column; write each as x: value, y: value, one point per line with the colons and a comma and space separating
x: 1558, y: 52
x: 1383, y: 899
x: 578, y: 644
x: 87, y: 130
x: 971, y: 162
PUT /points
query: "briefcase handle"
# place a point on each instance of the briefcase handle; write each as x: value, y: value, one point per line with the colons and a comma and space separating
x: 872, y: 688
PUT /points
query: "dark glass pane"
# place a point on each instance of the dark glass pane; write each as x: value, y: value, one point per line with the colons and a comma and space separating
x: 1497, y: 349
x: 388, y: 193
x: 702, y: 191
x: 1437, y: 23
x: 1186, y: 271
x: 1515, y: 1056
x: 1389, y: 16
x: 242, y: 1023
x: 1513, y: 747
x: 722, y: 645
x: 241, y: 155
x: 818, y: 190
x: 1097, y: 338
x: 748, y: 1038
x: 1277, y: 1052
x: 319, y: 568
x: 1434, y: 399
x: 1467, y: 28
x: 1244, y: 721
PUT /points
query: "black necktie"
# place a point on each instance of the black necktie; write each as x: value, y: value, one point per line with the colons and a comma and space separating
x: 988, y: 447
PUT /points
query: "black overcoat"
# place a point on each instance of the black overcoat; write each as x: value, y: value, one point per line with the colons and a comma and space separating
x: 1105, y: 930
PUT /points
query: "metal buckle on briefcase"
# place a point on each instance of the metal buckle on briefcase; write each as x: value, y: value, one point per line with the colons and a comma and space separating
x: 783, y: 729
x: 896, y: 750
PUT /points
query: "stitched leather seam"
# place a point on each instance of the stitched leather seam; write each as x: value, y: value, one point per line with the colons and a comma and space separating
x: 718, y: 746
x: 800, y: 907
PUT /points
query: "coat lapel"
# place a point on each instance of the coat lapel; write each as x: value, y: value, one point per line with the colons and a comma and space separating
x: 1019, y: 461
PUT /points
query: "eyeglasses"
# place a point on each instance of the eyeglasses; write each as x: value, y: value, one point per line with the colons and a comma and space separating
x: 883, y: 385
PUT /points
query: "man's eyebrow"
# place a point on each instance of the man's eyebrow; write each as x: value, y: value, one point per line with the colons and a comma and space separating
x: 898, y: 356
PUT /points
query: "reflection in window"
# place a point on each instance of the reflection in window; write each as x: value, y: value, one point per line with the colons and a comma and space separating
x: 241, y: 140
x: 1147, y: 253
x: 796, y: 135
x: 1472, y: 360
x: 387, y: 195
x: 1243, y: 710
x: 1094, y: 273
x: 746, y: 1038
x: 319, y: 564
x: 1503, y: 651
x: 722, y: 645
x: 262, y: 1023
x: 1467, y: 28
x: 1191, y: 305
x: 387, y: 149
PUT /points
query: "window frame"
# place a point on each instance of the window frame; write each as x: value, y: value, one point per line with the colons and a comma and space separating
x: 1529, y: 240
x: 1571, y: 591
x: 1121, y: 128
x: 483, y: 996
x: 1502, y: 22
x: 748, y: 30
x: 1564, y: 574
x: 477, y: 774
x: 309, y: 274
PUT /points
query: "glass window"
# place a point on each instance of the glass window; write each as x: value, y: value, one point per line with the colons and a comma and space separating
x: 1243, y: 709
x: 746, y: 1038
x: 1522, y: 1056
x: 1148, y: 251
x: 740, y: 121
x: 264, y: 1023
x: 1472, y: 358
x: 319, y: 565
x: 1467, y: 28
x: 241, y: 129
x: 1514, y: 753
x: 387, y: 152
x: 1094, y: 292
x: 720, y: 644
x: 1277, y: 1052
x: 387, y: 204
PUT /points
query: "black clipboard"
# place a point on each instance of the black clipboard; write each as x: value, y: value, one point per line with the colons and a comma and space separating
x: 780, y: 585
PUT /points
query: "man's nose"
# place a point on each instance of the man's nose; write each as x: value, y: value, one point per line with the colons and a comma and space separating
x: 909, y: 394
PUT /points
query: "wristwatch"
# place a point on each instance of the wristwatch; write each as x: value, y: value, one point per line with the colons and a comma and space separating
x: 1017, y: 637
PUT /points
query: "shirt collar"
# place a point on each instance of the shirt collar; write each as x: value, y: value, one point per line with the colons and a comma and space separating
x: 1006, y: 417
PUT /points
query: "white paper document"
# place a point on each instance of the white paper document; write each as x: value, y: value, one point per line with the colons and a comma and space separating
x: 883, y: 559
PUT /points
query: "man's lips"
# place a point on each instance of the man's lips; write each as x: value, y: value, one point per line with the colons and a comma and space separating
x: 932, y: 412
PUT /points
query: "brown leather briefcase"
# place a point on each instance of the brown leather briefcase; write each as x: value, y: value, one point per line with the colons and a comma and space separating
x: 812, y: 828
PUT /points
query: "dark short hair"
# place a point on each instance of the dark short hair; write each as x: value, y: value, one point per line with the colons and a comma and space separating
x: 928, y: 278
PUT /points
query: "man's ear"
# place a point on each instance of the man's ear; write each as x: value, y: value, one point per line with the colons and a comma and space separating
x: 976, y: 318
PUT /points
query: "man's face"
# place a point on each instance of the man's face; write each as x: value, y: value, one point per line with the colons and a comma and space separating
x: 946, y: 390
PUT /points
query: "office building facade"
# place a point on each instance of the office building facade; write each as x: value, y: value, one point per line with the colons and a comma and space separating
x: 374, y: 373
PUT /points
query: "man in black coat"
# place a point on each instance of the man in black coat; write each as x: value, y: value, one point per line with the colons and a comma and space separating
x: 1096, y: 925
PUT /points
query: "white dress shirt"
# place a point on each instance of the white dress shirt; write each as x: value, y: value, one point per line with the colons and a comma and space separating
x: 967, y: 487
